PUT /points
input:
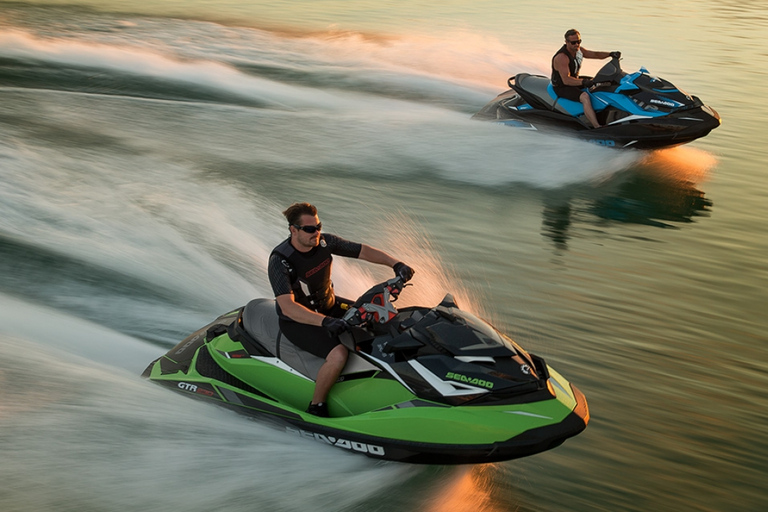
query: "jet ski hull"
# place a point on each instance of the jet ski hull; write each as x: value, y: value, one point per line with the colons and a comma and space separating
x: 636, y: 133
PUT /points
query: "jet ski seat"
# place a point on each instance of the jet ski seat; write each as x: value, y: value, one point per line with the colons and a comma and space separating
x: 573, y: 108
x: 564, y: 105
x: 538, y: 91
x: 260, y: 321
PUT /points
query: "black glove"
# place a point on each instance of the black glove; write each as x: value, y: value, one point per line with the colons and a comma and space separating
x: 403, y: 271
x: 615, y: 55
x: 335, y: 326
x: 587, y: 83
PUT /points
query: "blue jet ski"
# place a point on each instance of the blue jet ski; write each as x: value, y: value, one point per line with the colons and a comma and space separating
x: 635, y: 110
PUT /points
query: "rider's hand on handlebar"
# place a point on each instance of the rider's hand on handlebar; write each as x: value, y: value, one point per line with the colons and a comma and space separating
x: 335, y: 326
x: 615, y: 55
x: 403, y: 271
x: 587, y: 83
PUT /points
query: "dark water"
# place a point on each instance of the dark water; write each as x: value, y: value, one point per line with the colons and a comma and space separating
x: 145, y: 155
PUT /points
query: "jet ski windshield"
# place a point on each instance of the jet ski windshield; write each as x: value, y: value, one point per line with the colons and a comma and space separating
x: 610, y: 72
x: 477, y: 337
x: 469, y: 335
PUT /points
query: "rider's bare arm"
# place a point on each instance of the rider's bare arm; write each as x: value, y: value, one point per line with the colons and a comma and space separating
x: 561, y: 66
x: 297, y: 312
x: 374, y: 255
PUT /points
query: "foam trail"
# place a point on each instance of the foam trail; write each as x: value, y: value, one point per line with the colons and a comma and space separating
x: 62, y: 416
x: 215, y: 75
x: 152, y: 230
x: 212, y: 70
x: 445, y: 140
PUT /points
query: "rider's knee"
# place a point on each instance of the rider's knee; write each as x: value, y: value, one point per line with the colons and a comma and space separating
x: 338, y: 355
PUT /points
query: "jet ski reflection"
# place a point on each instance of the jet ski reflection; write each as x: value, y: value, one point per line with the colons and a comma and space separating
x: 643, y: 198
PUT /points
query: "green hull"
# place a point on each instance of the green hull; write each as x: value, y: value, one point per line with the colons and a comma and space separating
x: 371, y: 412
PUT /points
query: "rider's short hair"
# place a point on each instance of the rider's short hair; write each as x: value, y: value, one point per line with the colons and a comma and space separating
x: 294, y: 212
x: 572, y: 32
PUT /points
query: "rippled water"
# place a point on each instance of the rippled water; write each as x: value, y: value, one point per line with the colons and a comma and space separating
x: 145, y: 155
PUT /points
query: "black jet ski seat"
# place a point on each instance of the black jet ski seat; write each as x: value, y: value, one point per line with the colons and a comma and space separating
x: 261, y: 323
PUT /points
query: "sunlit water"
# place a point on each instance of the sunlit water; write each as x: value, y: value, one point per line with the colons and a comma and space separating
x: 145, y: 156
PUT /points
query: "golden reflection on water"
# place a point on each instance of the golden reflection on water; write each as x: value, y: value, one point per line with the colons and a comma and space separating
x: 470, y: 491
x: 685, y: 163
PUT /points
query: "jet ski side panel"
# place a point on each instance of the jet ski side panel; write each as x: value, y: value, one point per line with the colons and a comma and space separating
x: 527, y: 443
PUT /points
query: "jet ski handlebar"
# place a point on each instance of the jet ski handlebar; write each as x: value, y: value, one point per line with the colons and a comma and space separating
x: 375, y: 306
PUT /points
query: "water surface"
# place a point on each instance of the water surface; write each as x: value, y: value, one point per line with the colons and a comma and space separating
x: 147, y: 149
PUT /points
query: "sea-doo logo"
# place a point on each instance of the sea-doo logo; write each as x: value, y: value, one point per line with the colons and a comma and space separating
x: 662, y: 102
x: 525, y: 369
x: 469, y: 380
x: 603, y: 142
x: 187, y: 344
x: 339, y: 443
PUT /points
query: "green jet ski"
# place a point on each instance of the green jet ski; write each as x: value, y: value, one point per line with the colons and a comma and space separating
x: 421, y: 385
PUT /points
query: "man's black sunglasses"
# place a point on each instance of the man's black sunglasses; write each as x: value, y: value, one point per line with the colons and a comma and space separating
x: 309, y: 229
x: 578, y: 41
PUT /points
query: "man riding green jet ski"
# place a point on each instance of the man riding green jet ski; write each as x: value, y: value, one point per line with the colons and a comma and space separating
x: 433, y: 385
x: 300, y: 274
x: 424, y: 385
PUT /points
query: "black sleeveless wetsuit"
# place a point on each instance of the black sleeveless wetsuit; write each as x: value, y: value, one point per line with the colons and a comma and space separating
x: 570, y: 92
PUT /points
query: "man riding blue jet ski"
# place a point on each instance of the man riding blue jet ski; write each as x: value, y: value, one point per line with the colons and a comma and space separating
x: 612, y: 109
x: 566, y: 64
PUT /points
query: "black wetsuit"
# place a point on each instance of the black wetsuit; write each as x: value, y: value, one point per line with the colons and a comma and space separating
x: 571, y: 92
x: 307, y: 275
